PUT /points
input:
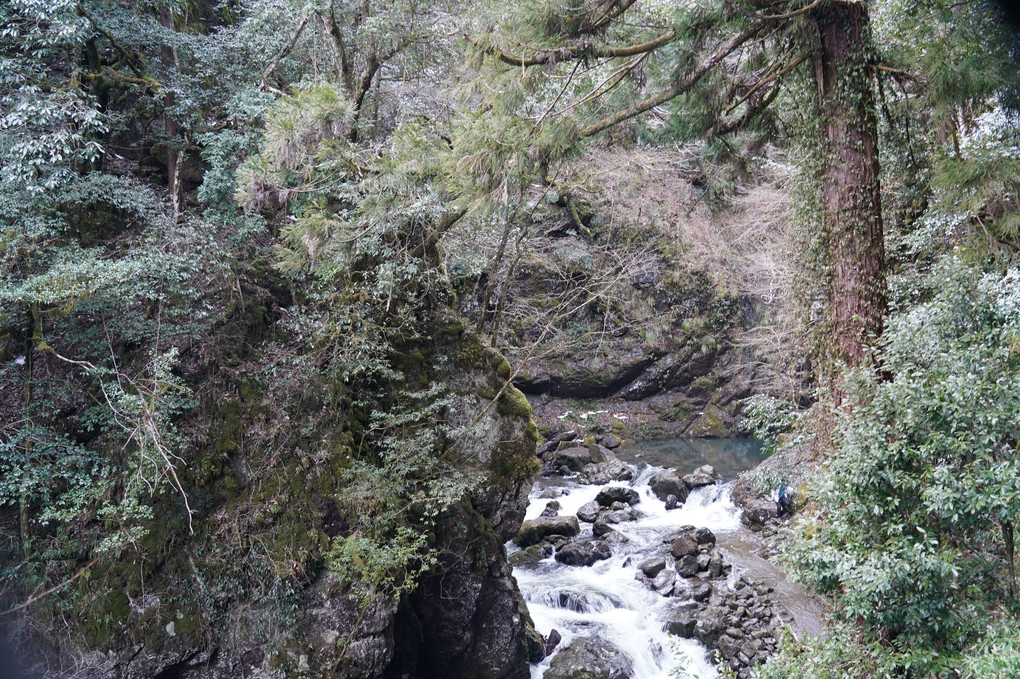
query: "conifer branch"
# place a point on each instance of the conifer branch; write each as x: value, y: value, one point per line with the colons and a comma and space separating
x: 614, y: 11
x: 589, y: 50
x: 724, y: 126
x: 765, y: 81
x: 683, y: 85
x: 605, y: 86
x: 779, y: 17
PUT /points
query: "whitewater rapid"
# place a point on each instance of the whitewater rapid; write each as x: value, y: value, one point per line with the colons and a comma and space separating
x: 606, y: 600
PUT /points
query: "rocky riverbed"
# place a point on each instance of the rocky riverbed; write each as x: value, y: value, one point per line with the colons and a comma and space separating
x: 633, y: 571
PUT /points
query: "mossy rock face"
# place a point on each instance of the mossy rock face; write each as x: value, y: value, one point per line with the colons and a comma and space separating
x: 711, y: 423
x: 249, y: 591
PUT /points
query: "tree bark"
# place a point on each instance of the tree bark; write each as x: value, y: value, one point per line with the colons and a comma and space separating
x: 850, y: 186
x: 172, y: 128
x: 1007, y: 539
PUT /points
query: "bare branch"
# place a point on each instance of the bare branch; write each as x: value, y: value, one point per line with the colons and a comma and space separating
x: 284, y: 51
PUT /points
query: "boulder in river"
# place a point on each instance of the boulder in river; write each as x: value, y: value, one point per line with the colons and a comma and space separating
x: 534, y: 531
x: 702, y: 476
x: 652, y: 566
x: 619, y: 514
x: 687, y: 566
x: 704, y: 536
x: 552, y: 508
x: 608, y: 440
x: 589, y: 511
x: 583, y: 552
x: 530, y: 555
x: 664, y: 582
x: 590, y: 658
x: 600, y: 453
x: 575, y: 458
x: 613, y: 537
x: 684, y: 545
x: 684, y: 620
x: 668, y: 483
x: 605, y: 472
x: 610, y: 494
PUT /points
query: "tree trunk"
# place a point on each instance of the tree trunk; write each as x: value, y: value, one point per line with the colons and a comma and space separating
x: 1007, y: 538
x: 173, y: 154
x: 850, y: 188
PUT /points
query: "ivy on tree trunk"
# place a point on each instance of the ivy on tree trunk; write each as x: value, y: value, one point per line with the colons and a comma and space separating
x: 850, y: 186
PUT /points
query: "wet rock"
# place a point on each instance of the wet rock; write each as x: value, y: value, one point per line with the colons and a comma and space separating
x: 701, y: 591
x: 583, y: 553
x: 664, y: 582
x: 703, y: 562
x: 549, y: 493
x: 600, y: 453
x: 668, y: 483
x: 711, y: 625
x: 687, y: 566
x: 574, y: 458
x: 653, y: 566
x: 684, y: 545
x: 715, y: 565
x: 620, y: 515
x: 671, y: 502
x: 609, y: 441
x: 534, y: 531
x: 727, y: 646
x: 607, y: 496
x: 601, y: 527
x: 549, y: 644
x: 551, y: 508
x: 614, y: 537
x: 605, y: 472
x: 530, y: 555
x: 590, y: 658
x: 704, y: 536
x: 702, y: 476
x: 589, y: 511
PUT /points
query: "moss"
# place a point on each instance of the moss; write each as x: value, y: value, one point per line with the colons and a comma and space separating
x: 502, y: 367
x: 531, y: 431
x: 513, y: 402
x: 107, y: 616
x: 710, y: 425
x: 410, y: 362
x: 186, y: 625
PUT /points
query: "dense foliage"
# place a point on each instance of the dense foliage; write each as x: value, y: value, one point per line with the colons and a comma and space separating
x: 913, y: 530
x: 260, y: 210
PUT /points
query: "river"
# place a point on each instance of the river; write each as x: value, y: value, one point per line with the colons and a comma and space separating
x: 607, y: 600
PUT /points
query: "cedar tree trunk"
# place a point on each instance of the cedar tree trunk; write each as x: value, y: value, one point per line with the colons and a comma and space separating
x: 852, y: 205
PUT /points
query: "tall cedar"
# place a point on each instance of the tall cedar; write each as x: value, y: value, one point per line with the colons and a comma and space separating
x: 850, y: 188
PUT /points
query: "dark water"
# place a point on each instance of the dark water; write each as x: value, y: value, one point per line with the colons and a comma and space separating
x: 728, y: 456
